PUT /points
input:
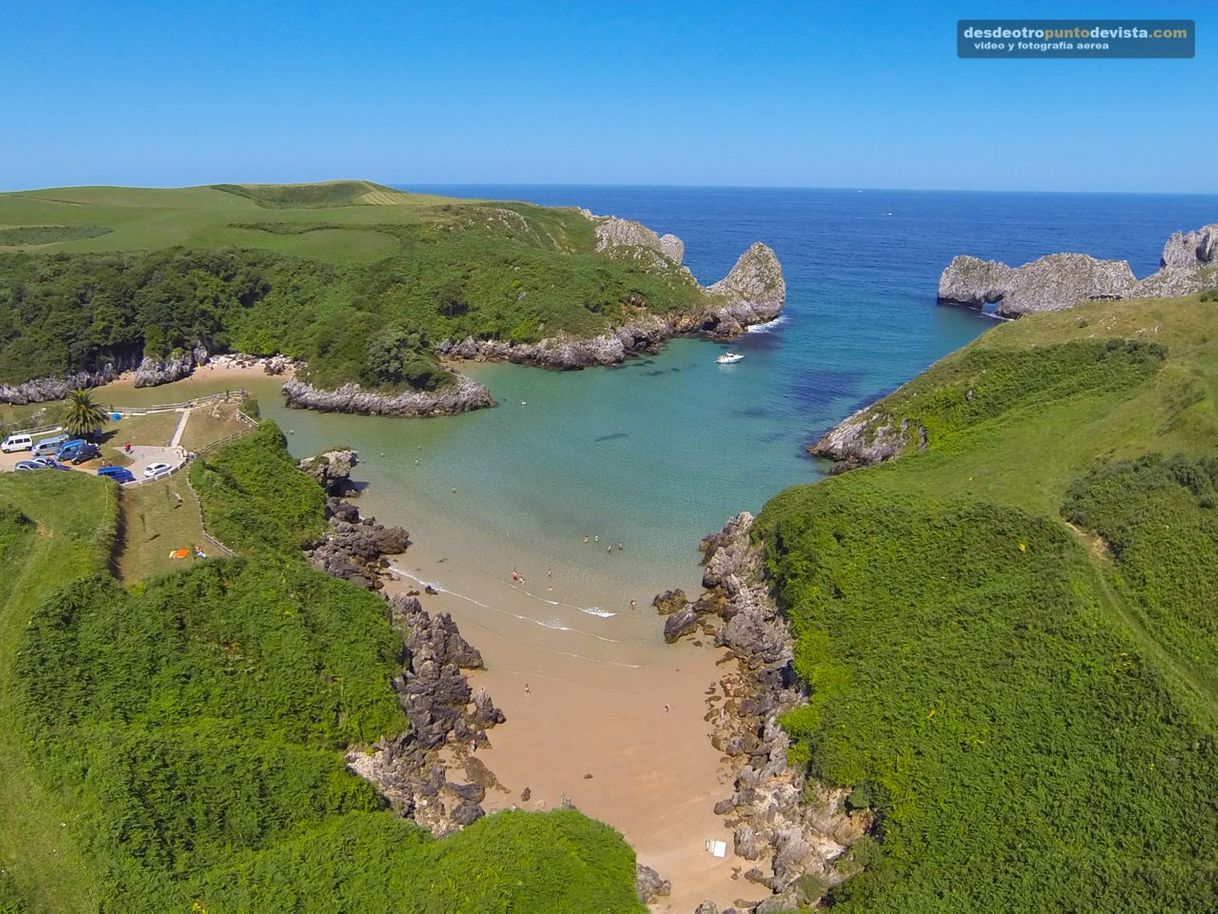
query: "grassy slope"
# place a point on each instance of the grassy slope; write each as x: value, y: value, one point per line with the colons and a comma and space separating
x: 1034, y: 715
x: 75, y: 518
x: 198, y: 720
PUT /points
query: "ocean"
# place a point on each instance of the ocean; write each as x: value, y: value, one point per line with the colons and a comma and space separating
x: 663, y: 450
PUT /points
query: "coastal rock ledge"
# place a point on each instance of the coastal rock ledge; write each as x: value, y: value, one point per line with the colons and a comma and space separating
x: 1189, y: 264
x: 779, y: 817
x: 464, y: 395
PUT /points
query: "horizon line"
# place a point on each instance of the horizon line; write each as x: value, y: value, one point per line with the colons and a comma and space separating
x: 400, y: 185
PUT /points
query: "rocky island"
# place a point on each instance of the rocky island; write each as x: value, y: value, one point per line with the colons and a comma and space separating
x: 1189, y: 264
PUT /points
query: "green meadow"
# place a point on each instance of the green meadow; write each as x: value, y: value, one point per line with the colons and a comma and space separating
x: 1009, y: 635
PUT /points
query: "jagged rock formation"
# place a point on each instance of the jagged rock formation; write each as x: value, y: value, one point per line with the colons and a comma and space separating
x: 463, y: 395
x: 648, y: 885
x: 1189, y: 264
x: 446, y: 719
x: 354, y: 548
x: 153, y: 372
x: 40, y: 390
x: 332, y: 471
x: 779, y: 818
x: 622, y: 236
x: 856, y: 441
x: 753, y: 292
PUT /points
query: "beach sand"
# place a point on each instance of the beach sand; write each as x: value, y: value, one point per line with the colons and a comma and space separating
x: 213, y: 377
x: 586, y: 695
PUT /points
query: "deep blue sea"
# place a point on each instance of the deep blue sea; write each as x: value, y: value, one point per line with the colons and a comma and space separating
x: 661, y: 451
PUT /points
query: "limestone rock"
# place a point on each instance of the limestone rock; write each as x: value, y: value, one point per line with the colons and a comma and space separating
x: 753, y: 292
x: 1189, y: 264
x: 679, y: 624
x: 745, y: 842
x: 669, y: 601
x: 648, y: 885
x: 463, y: 395
x: 332, y: 471
x: 40, y: 390
x: 153, y: 372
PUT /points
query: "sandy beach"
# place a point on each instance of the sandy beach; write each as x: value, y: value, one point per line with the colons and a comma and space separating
x: 598, y: 709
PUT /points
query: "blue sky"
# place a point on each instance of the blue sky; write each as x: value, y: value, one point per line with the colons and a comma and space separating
x: 844, y: 94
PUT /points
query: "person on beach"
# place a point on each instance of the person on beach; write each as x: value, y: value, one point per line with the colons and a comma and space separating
x: 634, y: 604
x: 515, y: 575
x: 619, y: 547
x: 585, y: 538
x: 666, y: 709
x: 526, y: 688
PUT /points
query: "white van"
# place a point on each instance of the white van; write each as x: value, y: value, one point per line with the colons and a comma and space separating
x: 49, y: 447
x: 16, y: 443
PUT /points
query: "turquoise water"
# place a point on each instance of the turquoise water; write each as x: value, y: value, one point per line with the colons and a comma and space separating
x: 661, y: 451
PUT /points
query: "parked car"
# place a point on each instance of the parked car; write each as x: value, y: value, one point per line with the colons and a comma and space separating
x: 156, y: 469
x: 65, y: 452
x: 86, y: 452
x: 16, y: 443
x: 28, y: 465
x: 118, y: 474
x: 49, y: 447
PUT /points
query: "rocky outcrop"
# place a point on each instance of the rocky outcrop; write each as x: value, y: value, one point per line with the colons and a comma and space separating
x: 463, y: 395
x: 355, y: 547
x: 418, y: 770
x: 648, y: 885
x: 40, y: 390
x: 1189, y: 264
x: 154, y: 372
x: 859, y: 441
x: 754, y: 292
x: 791, y: 826
x: 332, y: 471
x: 623, y: 237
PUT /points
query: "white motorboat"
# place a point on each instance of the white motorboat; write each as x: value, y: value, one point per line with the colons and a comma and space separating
x: 729, y: 358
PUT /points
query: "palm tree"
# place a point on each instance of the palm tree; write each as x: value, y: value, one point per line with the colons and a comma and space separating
x: 83, y: 416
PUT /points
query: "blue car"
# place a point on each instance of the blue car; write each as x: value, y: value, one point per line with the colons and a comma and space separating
x: 118, y: 474
x: 70, y: 447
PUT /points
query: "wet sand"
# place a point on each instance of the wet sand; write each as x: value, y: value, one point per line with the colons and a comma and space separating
x: 586, y: 695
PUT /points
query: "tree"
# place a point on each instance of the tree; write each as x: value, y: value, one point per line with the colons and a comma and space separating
x: 83, y: 416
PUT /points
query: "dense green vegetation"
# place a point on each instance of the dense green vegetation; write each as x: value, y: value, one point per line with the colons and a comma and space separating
x: 1159, y: 519
x: 1030, y: 707
x: 357, y: 280
x: 254, y: 500
x: 196, y: 726
x: 48, y: 234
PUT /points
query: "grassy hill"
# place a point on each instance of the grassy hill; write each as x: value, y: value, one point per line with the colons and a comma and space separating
x: 358, y: 279
x: 179, y: 745
x: 1010, y: 633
